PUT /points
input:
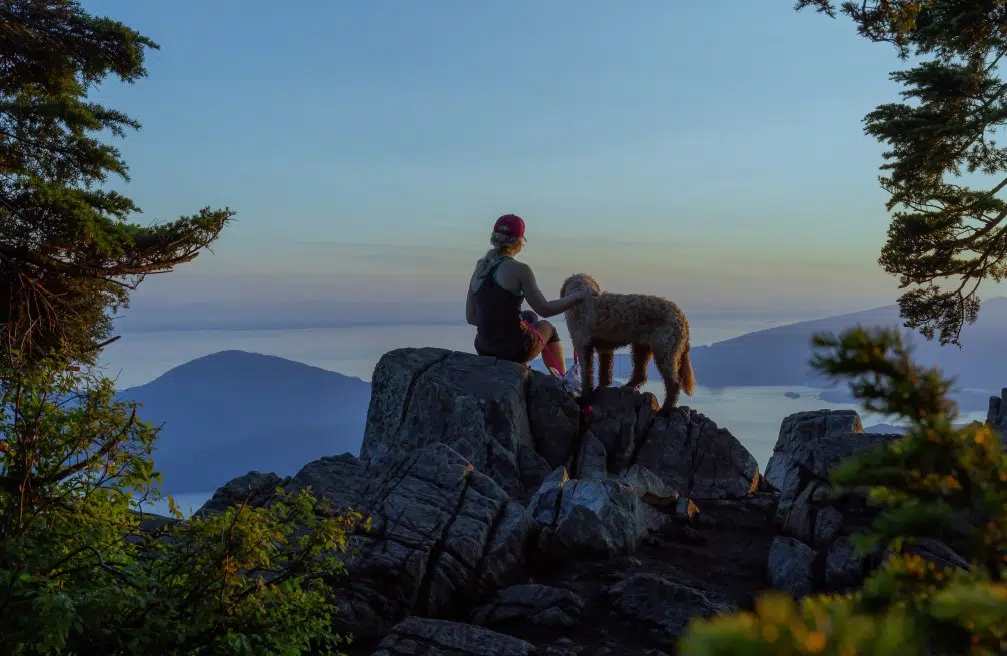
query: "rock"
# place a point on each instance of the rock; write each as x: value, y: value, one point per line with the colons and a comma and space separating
x: 554, y: 417
x: 428, y: 396
x: 802, y: 427
x: 257, y: 488
x: 810, y: 445
x: 695, y: 457
x: 790, y: 566
x: 442, y: 535
x: 534, y: 468
x: 591, y: 461
x: 589, y: 519
x: 828, y: 524
x: 798, y: 519
x: 615, y: 422
x: 663, y: 604
x: 843, y: 567
x: 416, y: 636
x: 538, y: 604
x: 338, y: 479
x: 648, y: 485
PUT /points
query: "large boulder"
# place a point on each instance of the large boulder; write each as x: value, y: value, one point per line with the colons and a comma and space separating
x: 589, y: 518
x: 814, y: 550
x: 442, y: 535
x: 801, y: 428
x: 686, y: 450
x: 516, y: 424
x: 482, y: 407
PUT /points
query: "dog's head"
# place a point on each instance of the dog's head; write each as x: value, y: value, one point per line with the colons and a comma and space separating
x: 577, y: 282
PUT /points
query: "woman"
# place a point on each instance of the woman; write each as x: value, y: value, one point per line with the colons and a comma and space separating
x: 499, y: 285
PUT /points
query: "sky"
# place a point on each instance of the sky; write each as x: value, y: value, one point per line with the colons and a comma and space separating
x: 712, y: 152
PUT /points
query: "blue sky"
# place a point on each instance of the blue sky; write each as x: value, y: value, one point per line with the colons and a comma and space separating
x: 710, y: 151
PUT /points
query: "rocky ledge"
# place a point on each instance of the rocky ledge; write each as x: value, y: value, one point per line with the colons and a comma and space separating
x: 505, y: 521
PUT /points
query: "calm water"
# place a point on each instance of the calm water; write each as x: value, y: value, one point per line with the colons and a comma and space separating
x: 752, y: 414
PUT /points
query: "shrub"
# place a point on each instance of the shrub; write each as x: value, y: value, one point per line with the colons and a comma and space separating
x: 82, y: 572
x: 935, y: 482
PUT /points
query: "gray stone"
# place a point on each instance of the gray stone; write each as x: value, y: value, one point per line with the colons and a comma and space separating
x: 663, y: 604
x: 427, y: 396
x: 442, y: 535
x: 828, y: 524
x: 534, y: 468
x: 255, y: 488
x: 648, y: 485
x: 539, y: 604
x: 790, y: 565
x: 591, y: 462
x: 797, y: 519
x: 338, y: 479
x: 614, y: 421
x: 554, y: 417
x: 696, y: 458
x: 415, y: 636
x: 802, y: 427
x: 843, y: 567
x: 575, y: 518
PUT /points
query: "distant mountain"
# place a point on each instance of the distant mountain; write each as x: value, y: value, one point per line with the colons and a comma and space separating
x: 230, y: 412
x: 779, y: 356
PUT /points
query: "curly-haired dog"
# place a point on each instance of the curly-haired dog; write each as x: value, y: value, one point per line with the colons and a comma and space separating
x: 650, y: 325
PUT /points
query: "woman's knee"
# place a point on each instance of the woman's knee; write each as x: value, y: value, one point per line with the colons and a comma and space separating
x: 547, y: 330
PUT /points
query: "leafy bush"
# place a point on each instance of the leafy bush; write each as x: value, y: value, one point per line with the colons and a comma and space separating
x: 935, y: 482
x: 81, y: 572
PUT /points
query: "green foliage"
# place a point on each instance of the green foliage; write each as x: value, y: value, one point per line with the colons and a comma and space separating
x: 68, y: 253
x: 82, y: 573
x: 946, y: 237
x: 935, y: 482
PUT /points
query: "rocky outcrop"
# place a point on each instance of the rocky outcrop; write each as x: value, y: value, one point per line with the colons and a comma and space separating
x: 478, y: 406
x: 814, y: 552
x: 442, y: 535
x: 505, y: 521
x: 516, y: 425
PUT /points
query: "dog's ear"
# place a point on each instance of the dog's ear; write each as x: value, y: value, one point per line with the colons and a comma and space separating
x: 562, y: 289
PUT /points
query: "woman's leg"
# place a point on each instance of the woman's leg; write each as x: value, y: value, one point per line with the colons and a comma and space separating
x: 552, y: 344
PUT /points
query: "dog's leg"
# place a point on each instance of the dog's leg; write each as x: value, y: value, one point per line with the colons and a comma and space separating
x: 641, y: 357
x: 606, y: 364
x: 586, y: 356
x: 667, y: 363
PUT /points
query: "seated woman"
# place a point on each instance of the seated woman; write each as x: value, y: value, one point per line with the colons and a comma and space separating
x: 499, y: 285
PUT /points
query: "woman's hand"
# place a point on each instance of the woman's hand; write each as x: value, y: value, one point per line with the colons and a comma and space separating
x: 584, y: 294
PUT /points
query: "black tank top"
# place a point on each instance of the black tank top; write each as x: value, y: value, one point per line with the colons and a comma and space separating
x: 499, y: 332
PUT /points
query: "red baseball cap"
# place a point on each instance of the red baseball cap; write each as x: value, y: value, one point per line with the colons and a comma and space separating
x: 510, y: 225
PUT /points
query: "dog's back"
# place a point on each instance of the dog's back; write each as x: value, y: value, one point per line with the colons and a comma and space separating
x: 625, y: 318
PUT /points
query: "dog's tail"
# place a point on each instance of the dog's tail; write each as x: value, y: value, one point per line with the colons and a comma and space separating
x: 686, y: 377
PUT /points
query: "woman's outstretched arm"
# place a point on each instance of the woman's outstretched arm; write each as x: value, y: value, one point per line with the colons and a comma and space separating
x: 536, y: 299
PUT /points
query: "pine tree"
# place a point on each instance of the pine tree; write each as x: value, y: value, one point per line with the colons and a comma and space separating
x: 69, y: 254
x: 946, y: 237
